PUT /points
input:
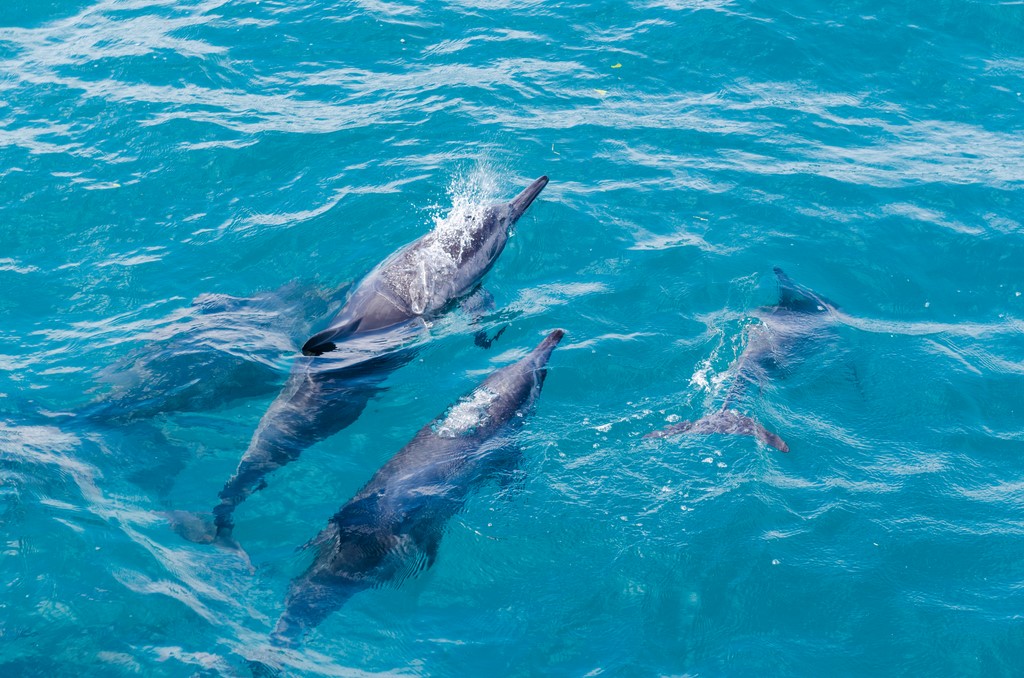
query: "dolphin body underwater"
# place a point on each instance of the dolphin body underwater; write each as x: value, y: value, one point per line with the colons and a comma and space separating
x: 799, y: 315
x: 219, y: 349
x: 391, y: 529
x: 343, y: 366
x: 206, y: 355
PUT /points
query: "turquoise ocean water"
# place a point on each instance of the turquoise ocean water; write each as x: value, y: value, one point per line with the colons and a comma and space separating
x: 186, y: 185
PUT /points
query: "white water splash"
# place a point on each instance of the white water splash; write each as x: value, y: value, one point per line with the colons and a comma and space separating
x: 424, y: 274
x: 469, y: 413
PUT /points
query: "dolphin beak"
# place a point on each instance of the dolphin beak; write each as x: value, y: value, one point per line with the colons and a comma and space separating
x: 542, y: 353
x: 526, y: 198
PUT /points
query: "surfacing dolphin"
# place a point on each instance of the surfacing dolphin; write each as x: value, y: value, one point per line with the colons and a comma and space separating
x: 374, y: 333
x: 799, y: 315
x: 393, y: 526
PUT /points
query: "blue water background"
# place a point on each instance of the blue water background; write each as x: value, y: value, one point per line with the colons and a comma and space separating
x: 154, y: 151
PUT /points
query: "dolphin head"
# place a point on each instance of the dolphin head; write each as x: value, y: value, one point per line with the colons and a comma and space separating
x: 518, y: 205
x: 497, y: 221
x: 518, y: 385
x: 501, y: 217
x: 538, y: 358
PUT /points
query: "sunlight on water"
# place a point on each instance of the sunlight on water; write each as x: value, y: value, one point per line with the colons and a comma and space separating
x: 189, y: 190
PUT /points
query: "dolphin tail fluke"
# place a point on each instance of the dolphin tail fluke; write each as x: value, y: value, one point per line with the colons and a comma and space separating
x: 200, y: 528
x: 728, y: 422
x: 323, y: 342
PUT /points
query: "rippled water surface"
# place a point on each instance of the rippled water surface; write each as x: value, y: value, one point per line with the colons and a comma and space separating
x: 187, y: 186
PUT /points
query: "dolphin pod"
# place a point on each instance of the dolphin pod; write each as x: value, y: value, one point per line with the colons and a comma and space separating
x: 799, y: 314
x: 343, y: 366
x: 392, y: 527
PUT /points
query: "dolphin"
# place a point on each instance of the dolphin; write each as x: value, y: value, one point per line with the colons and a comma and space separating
x: 375, y: 332
x: 799, y: 315
x: 391, y: 529
x: 422, y: 279
x: 198, y: 357
x: 219, y: 349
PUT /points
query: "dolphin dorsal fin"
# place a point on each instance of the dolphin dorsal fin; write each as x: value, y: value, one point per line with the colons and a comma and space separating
x: 798, y: 298
x: 322, y: 342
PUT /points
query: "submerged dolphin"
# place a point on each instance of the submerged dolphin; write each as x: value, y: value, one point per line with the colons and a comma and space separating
x: 392, y: 528
x: 221, y: 348
x: 374, y: 333
x: 198, y: 357
x: 800, y: 314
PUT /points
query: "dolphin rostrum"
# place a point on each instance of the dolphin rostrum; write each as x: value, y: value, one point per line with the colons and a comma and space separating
x: 799, y: 315
x: 375, y: 332
x: 392, y: 527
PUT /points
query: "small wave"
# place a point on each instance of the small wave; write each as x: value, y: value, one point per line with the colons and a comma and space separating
x: 14, y: 266
x: 974, y: 330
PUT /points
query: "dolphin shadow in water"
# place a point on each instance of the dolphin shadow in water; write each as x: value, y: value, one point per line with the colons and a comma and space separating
x: 392, y: 528
x: 375, y: 332
x: 800, y: 315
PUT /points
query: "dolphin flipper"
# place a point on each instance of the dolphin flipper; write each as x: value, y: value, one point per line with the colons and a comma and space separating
x: 725, y: 421
x: 417, y: 557
x: 325, y: 341
x: 483, y: 341
x: 477, y: 305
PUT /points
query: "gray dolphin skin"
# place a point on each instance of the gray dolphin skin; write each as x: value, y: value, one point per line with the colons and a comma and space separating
x: 375, y: 332
x: 799, y: 315
x: 423, y: 278
x: 392, y: 527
